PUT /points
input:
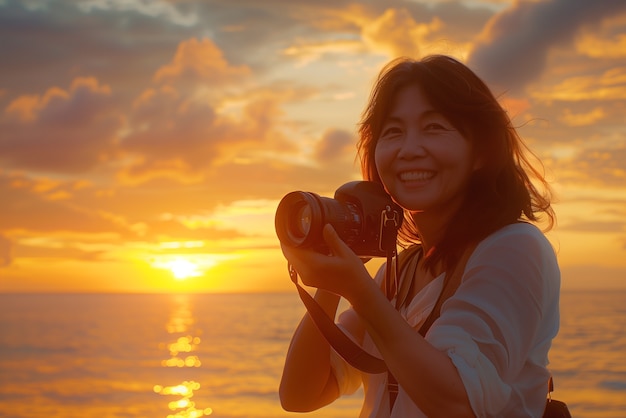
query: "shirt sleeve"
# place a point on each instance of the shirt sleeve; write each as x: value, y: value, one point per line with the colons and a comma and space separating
x: 488, y: 326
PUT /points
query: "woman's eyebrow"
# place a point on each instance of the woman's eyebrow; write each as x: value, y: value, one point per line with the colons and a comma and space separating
x: 431, y: 112
x: 425, y: 114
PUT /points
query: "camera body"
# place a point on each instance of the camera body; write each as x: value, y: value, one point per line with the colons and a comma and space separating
x: 362, y: 213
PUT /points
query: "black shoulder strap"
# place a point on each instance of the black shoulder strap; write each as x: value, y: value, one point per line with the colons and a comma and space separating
x: 344, y: 345
x: 451, y: 283
x: 452, y: 280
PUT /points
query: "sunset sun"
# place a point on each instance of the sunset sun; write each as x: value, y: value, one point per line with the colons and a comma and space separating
x: 181, y: 268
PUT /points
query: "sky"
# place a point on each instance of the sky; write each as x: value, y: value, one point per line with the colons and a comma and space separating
x: 145, y: 145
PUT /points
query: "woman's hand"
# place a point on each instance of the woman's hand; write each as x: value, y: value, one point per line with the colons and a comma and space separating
x: 342, y: 272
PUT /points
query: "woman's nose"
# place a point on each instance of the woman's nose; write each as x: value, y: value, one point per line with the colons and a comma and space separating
x: 412, y: 146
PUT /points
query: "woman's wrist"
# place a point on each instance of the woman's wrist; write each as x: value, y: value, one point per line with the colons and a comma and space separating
x: 360, y: 296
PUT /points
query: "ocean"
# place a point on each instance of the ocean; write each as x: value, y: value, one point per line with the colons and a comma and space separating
x: 221, y: 355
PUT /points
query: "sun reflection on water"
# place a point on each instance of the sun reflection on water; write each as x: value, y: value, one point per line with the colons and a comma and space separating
x: 185, y: 344
x: 181, y: 356
x: 187, y: 406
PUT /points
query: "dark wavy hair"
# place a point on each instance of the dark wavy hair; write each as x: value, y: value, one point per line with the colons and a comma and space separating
x: 501, y: 191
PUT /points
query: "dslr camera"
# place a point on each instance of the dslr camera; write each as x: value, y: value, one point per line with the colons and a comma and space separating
x: 362, y: 213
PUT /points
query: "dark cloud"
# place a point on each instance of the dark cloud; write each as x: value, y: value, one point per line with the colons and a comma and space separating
x: 335, y: 144
x: 69, y: 41
x: 121, y: 42
x: 515, y: 43
x: 169, y: 133
x: 60, y: 131
x: 173, y: 134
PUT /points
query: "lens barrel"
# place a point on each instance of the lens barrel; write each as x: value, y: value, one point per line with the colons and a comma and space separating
x: 359, y: 214
x: 299, y: 219
x: 301, y: 216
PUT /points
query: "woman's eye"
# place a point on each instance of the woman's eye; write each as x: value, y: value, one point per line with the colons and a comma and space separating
x: 436, y: 126
x: 390, y: 132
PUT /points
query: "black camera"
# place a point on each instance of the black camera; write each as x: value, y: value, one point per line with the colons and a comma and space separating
x: 362, y: 213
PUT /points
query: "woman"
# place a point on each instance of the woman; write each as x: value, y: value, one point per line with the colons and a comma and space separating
x: 445, y: 150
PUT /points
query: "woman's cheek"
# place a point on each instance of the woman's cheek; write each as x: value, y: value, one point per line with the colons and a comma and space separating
x: 384, y: 160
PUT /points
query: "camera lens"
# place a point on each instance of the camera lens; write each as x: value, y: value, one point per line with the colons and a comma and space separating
x: 301, y: 216
x: 299, y: 219
x: 302, y: 221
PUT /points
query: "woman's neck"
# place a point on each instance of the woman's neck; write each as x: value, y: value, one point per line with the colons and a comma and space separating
x: 431, y: 227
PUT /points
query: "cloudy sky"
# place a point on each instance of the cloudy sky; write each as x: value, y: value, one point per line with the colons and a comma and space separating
x: 144, y: 145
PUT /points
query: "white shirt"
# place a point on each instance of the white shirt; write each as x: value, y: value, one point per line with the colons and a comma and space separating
x: 497, y: 329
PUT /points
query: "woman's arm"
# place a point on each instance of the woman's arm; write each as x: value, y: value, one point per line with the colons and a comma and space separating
x: 308, y: 383
x: 425, y: 373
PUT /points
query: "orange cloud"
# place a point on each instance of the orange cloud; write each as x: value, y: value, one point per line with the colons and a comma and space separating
x: 307, y: 51
x: 582, y: 119
x: 606, y: 41
x: 611, y: 85
x: 58, y: 250
x: 25, y: 108
x: 397, y: 33
x: 5, y: 251
x: 199, y: 60
x: 596, y: 47
x: 27, y: 206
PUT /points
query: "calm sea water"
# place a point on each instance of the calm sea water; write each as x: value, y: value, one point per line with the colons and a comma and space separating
x: 189, y: 356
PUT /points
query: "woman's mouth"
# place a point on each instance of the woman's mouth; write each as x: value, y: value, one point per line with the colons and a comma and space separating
x: 419, y: 175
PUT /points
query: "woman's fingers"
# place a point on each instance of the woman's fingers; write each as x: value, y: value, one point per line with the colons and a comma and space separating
x: 335, y: 273
x: 335, y: 243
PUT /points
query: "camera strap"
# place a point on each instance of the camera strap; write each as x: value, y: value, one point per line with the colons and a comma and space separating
x: 352, y: 352
x: 347, y: 348
x: 344, y: 345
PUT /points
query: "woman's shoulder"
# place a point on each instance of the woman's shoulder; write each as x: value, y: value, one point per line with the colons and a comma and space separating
x: 517, y: 233
x: 520, y: 241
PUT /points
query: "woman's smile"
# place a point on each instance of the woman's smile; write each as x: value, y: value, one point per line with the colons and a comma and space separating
x: 416, y: 176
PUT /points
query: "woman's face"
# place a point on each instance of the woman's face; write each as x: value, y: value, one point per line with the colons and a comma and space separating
x: 422, y: 160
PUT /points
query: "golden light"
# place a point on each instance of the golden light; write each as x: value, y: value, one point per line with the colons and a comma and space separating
x: 181, y: 267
